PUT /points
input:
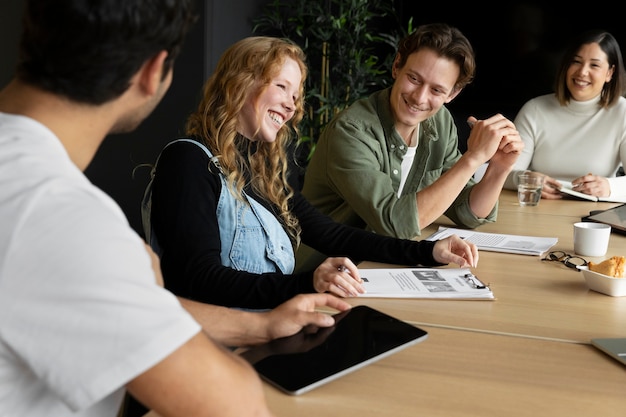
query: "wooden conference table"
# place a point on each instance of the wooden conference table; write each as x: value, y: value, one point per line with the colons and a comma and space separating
x: 534, y: 298
x: 527, y: 353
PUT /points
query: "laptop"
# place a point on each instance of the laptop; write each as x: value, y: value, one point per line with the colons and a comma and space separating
x: 308, y: 359
x: 615, y: 217
x: 615, y: 347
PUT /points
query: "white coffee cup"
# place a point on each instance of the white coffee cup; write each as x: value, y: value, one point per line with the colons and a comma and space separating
x: 591, y: 239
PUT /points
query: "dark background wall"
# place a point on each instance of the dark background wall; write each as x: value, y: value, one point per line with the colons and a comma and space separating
x: 117, y: 166
x: 517, y: 45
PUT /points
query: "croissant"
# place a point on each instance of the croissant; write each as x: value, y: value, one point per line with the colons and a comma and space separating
x: 613, y: 267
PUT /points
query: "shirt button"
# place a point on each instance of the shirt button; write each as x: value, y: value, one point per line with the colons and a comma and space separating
x: 395, y: 172
x: 401, y: 146
x: 393, y: 146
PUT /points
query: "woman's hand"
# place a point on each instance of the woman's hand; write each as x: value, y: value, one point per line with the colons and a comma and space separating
x: 338, y: 276
x: 551, y: 188
x: 592, y: 185
x: 453, y: 249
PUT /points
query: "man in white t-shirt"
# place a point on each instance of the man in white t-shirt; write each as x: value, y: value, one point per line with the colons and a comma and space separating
x: 82, y: 318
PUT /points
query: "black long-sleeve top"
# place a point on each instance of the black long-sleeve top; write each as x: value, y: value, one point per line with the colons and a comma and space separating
x: 184, y: 199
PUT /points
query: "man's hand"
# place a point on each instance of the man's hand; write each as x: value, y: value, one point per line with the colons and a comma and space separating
x: 495, y: 140
x: 301, y: 311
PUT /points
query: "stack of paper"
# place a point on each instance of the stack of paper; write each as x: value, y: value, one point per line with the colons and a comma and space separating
x: 446, y: 283
x: 494, y: 242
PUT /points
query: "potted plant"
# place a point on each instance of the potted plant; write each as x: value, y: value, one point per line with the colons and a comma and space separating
x: 349, y: 49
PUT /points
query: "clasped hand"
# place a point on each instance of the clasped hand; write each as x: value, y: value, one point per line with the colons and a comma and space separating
x: 494, y: 140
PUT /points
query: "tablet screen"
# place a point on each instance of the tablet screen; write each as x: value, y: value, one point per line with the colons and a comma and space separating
x: 615, y: 217
x: 308, y: 359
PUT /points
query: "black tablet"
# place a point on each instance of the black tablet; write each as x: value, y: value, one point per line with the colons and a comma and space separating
x: 308, y: 359
x: 614, y: 217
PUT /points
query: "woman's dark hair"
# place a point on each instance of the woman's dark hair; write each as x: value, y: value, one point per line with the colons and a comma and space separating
x: 612, y: 90
x: 88, y: 50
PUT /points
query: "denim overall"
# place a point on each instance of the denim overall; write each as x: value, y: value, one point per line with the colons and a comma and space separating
x: 252, y: 238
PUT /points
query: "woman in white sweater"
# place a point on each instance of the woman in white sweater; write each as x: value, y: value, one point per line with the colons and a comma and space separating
x: 578, y: 134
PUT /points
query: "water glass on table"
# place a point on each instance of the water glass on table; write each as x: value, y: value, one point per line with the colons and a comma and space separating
x: 529, y: 186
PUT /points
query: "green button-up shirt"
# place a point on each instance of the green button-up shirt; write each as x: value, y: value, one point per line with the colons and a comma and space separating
x: 354, y: 174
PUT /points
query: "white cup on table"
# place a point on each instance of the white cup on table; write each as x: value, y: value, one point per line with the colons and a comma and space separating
x: 591, y: 239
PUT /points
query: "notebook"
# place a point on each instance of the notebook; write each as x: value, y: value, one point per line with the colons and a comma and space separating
x: 566, y: 188
x: 306, y: 360
x: 615, y: 217
x: 615, y: 347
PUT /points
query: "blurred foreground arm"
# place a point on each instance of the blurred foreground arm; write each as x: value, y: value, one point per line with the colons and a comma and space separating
x: 201, y: 379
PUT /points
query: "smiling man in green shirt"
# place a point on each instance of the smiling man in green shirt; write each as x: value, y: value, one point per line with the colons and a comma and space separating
x: 390, y: 162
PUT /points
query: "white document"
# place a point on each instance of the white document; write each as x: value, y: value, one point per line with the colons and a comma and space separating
x: 494, y: 242
x: 445, y: 283
x: 566, y: 188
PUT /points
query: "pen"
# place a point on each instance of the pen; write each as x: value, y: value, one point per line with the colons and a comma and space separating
x: 580, y: 184
x: 343, y: 268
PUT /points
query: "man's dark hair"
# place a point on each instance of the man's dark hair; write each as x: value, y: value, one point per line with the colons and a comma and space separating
x: 446, y: 41
x: 88, y: 50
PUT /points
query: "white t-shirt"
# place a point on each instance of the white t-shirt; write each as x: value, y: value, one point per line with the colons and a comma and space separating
x: 567, y: 142
x: 407, y: 160
x: 80, y: 313
x: 407, y: 163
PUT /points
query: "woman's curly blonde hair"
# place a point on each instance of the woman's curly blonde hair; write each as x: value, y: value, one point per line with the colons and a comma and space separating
x: 246, y: 65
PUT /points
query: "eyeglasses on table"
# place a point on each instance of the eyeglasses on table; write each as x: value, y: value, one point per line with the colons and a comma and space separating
x: 570, y: 261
